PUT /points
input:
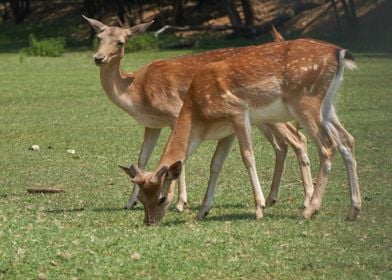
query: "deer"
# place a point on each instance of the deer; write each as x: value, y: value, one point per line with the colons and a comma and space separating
x: 154, y: 95
x: 271, y: 83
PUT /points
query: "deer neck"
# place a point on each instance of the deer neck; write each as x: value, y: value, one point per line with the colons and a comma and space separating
x: 117, y: 85
x: 185, y: 137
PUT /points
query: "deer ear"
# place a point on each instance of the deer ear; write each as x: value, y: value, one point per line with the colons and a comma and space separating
x: 161, y: 172
x: 96, y: 24
x: 174, y: 170
x: 132, y: 171
x: 138, y: 29
x: 277, y: 36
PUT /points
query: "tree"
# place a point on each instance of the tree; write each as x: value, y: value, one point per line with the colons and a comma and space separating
x: 20, y: 9
x: 239, y: 25
x: 350, y: 12
x: 233, y: 14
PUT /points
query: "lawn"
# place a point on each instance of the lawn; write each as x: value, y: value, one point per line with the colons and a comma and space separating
x: 58, y: 104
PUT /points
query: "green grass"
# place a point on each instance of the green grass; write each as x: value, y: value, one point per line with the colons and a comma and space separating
x: 85, y: 234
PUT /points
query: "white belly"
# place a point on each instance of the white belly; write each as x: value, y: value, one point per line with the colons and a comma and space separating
x: 150, y: 120
x: 219, y: 130
x: 274, y: 112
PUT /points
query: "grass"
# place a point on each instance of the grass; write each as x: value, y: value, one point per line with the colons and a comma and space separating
x: 58, y: 104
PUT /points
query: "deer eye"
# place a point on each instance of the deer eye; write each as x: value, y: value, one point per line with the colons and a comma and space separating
x: 120, y: 43
x: 161, y: 200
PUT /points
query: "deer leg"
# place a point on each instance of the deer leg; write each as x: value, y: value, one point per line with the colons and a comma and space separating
x: 151, y: 136
x: 280, y: 148
x: 222, y: 150
x: 287, y: 133
x: 182, y: 194
x: 346, y: 148
x: 243, y: 131
x: 319, y: 129
x: 326, y: 149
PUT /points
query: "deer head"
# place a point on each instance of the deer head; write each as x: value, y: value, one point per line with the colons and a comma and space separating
x: 156, y: 189
x: 112, y: 40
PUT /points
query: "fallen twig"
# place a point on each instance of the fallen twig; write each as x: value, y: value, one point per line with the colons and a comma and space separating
x: 193, y: 28
x: 44, y: 190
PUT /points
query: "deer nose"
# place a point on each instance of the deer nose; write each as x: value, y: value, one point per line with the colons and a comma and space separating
x: 99, y: 58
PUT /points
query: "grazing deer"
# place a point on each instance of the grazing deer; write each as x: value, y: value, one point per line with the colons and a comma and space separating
x: 154, y: 96
x: 275, y: 82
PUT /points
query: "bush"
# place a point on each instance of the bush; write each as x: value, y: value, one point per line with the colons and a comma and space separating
x: 46, y: 47
x: 146, y: 41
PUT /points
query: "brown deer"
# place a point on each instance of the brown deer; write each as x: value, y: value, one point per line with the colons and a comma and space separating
x: 154, y: 95
x: 275, y: 82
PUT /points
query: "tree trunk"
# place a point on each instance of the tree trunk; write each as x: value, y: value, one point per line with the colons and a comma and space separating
x: 20, y: 9
x: 353, y: 11
x: 233, y: 14
x: 249, y: 13
x: 336, y: 12
x: 178, y: 13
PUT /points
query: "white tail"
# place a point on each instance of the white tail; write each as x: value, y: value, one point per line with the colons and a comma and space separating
x: 261, y: 84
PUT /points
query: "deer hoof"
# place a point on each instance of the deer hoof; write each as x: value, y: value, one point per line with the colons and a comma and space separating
x: 130, y: 205
x: 270, y: 201
x: 352, y: 213
x: 308, y: 213
x: 259, y: 213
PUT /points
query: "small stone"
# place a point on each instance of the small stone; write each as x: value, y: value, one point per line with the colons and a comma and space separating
x: 42, y: 276
x: 135, y: 256
x: 34, y: 148
x: 71, y: 151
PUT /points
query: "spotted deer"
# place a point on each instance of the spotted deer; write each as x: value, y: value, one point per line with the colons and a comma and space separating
x: 275, y: 82
x: 154, y: 94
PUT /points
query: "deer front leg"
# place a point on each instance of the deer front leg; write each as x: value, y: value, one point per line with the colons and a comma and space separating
x: 222, y: 150
x: 182, y: 194
x: 151, y: 136
x: 243, y: 131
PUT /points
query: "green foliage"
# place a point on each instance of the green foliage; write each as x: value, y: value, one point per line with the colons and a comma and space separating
x: 145, y: 41
x: 52, y: 47
x: 148, y: 41
x: 84, y: 233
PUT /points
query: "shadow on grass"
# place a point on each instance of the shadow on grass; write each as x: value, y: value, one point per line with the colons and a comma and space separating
x: 218, y: 206
x: 230, y: 217
x: 115, y: 209
x: 64, y: 210
x: 102, y: 209
x: 6, y: 195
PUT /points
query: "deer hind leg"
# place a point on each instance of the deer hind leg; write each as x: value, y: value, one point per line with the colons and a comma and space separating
x: 345, y: 143
x: 243, y: 131
x: 151, y: 136
x: 326, y: 144
x: 287, y: 133
x: 222, y: 150
x: 326, y: 149
x: 280, y: 148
